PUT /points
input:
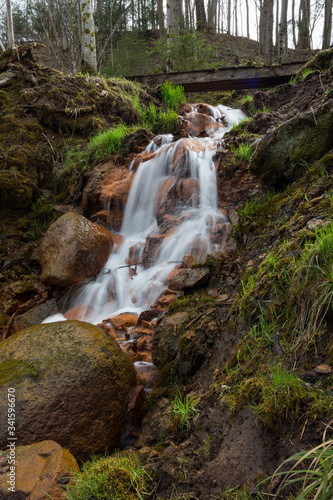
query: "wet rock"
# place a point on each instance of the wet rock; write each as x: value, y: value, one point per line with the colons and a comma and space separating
x: 73, y: 250
x: 147, y: 373
x: 166, y: 337
x: 135, y: 406
x: 188, y: 261
x: 91, y: 195
x: 71, y: 385
x: 148, y: 315
x: 187, y: 279
x: 197, y: 123
x: 43, y: 467
x: 115, y: 193
x: 34, y: 316
x: 180, y: 164
x: 124, y: 321
x: 133, y: 143
x: 151, y: 250
x: 284, y: 154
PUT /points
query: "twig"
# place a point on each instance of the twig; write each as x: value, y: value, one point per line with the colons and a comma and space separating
x: 194, y: 320
x: 314, y: 117
x: 303, y: 430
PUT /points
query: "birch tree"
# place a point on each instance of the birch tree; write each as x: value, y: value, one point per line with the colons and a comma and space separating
x: 10, y: 27
x: 88, y: 40
x: 283, y: 34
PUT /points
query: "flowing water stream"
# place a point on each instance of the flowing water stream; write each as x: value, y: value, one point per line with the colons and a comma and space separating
x: 172, y: 211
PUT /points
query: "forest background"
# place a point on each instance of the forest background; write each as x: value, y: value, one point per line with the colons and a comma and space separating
x: 128, y: 37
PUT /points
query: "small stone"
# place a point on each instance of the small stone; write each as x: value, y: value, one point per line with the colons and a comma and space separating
x: 323, y: 369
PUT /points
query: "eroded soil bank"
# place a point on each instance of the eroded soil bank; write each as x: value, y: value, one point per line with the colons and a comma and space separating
x: 251, y: 350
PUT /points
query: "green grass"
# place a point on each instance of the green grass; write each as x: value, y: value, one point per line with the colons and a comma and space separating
x: 244, y: 152
x: 108, y: 142
x: 172, y: 95
x: 184, y: 409
x: 120, y: 476
x: 313, y: 469
x: 158, y: 121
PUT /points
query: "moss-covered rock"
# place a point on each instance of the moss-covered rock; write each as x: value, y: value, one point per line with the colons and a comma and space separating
x: 284, y: 154
x: 16, y: 190
x: 71, y: 382
x: 321, y: 61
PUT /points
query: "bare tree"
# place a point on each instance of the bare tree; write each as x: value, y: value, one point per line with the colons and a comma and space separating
x: 327, y: 33
x: 10, y: 26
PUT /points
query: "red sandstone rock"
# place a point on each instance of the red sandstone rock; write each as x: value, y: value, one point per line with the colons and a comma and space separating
x: 115, y: 194
x: 190, y: 278
x: 180, y: 163
x: 73, y: 250
x: 197, y: 123
x: 123, y: 321
x: 166, y: 300
x: 188, y: 261
x: 40, y: 467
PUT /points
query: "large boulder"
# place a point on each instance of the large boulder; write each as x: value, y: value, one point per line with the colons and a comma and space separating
x: 187, y: 279
x: 41, y: 469
x: 71, y: 384
x: 73, y: 250
x: 284, y: 154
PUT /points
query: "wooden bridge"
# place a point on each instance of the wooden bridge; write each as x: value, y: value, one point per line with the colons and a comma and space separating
x: 244, y: 77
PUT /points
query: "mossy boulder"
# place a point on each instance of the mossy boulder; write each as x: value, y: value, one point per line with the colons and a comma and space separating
x: 16, y: 190
x: 177, y: 352
x: 71, y: 384
x: 73, y: 250
x: 284, y: 154
x: 321, y: 61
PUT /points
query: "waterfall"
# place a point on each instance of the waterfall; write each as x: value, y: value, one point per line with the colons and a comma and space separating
x: 173, y: 201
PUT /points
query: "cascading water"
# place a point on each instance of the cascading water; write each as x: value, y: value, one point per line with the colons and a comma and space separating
x: 173, y: 202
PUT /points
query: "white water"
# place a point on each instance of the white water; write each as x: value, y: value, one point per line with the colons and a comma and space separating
x: 118, y: 290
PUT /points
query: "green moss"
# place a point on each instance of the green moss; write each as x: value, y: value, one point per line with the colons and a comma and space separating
x: 16, y: 190
x: 120, y: 476
x: 15, y: 370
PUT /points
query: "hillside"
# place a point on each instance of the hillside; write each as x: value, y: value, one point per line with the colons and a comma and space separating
x: 242, y: 339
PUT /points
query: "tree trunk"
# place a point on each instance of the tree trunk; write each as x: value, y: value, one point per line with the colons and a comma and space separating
x: 67, y: 26
x: 327, y: 24
x: 294, y: 23
x: 2, y: 47
x: 283, y: 32
x: 52, y: 20
x: 88, y: 42
x: 266, y: 30
x: 277, y: 28
x: 247, y: 19
x: 160, y: 17
x: 10, y: 27
x: 212, y: 8
x: 229, y: 17
x: 304, y: 25
x: 201, y: 15
x: 169, y: 7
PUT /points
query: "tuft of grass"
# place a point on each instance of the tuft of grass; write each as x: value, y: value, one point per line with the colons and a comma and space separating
x: 108, y: 142
x: 158, y: 121
x: 120, y: 476
x: 312, y: 284
x: 244, y: 151
x: 184, y: 409
x: 313, y: 469
x: 172, y: 95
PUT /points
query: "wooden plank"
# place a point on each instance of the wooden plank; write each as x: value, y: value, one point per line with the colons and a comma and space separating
x: 244, y: 77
